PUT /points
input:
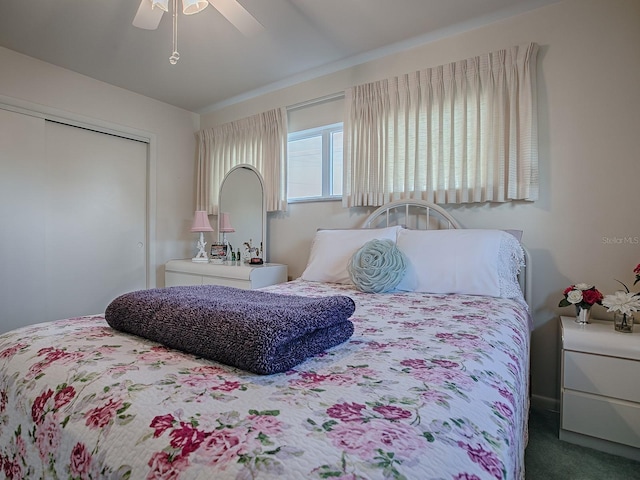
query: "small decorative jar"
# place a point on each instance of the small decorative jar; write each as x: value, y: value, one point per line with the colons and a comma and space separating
x: 623, y: 322
x: 583, y: 315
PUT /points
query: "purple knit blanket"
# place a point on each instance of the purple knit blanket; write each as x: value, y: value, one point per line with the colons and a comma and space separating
x: 261, y: 332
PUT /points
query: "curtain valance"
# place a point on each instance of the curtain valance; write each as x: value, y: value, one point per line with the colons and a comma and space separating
x: 260, y: 141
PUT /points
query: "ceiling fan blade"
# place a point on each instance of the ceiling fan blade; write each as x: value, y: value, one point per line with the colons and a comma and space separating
x: 238, y: 16
x: 147, y: 17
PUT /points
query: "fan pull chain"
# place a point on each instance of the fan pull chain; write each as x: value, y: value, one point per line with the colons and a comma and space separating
x: 175, y: 56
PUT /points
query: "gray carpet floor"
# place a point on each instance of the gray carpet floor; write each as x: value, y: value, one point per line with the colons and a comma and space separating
x: 548, y: 458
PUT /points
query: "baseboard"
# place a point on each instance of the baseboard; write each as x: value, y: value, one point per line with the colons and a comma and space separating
x: 545, y: 403
x: 613, y: 448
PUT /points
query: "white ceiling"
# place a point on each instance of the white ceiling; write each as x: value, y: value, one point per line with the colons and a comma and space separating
x: 218, y: 65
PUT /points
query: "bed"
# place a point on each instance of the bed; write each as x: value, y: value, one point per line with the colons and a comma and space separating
x: 429, y: 386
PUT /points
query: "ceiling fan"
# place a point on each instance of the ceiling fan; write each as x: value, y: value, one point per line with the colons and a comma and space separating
x: 150, y: 13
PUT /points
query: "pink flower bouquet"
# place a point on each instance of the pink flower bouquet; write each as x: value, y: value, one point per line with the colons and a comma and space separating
x: 581, y: 295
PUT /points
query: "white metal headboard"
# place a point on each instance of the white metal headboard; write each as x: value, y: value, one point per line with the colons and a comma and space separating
x: 414, y: 214
x: 421, y: 215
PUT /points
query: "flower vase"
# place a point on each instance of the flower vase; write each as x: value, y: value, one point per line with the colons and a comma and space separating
x: 623, y: 322
x: 583, y: 315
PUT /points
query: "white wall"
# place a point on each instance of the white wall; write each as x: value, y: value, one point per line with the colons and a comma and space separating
x: 589, y: 123
x: 26, y: 79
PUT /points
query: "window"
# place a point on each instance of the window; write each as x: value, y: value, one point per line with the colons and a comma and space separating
x: 314, y: 164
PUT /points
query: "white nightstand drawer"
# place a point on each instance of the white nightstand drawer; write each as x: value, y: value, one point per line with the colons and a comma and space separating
x: 607, y: 376
x: 613, y: 420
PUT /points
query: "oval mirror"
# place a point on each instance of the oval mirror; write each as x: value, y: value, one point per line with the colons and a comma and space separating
x: 242, y: 198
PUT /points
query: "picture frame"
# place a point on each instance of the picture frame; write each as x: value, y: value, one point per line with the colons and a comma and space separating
x: 218, y: 252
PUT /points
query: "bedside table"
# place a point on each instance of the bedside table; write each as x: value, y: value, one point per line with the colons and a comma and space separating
x: 600, y: 387
x: 228, y: 274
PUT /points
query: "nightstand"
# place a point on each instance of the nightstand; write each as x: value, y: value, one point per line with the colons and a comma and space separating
x: 229, y: 274
x: 600, y: 387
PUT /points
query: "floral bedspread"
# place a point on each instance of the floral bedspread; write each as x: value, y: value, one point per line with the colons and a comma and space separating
x: 428, y: 387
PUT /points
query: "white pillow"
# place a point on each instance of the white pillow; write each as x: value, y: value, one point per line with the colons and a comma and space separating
x: 468, y: 261
x: 331, y: 251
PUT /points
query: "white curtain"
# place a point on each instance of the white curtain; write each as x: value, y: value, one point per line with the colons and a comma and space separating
x: 457, y: 133
x: 260, y: 141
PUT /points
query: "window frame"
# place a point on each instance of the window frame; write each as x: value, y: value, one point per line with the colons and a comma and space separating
x: 326, y: 133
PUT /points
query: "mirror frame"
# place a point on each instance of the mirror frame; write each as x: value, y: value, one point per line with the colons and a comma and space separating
x: 263, y: 213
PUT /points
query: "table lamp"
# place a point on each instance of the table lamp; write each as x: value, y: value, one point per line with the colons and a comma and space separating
x: 225, y: 227
x: 201, y: 224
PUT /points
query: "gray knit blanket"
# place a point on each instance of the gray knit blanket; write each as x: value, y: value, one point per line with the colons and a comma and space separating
x: 261, y: 332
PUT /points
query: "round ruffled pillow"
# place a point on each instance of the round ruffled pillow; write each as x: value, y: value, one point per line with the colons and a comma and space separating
x: 378, y: 266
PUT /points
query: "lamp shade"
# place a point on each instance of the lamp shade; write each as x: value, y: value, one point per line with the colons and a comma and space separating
x: 225, y: 223
x: 201, y: 222
x: 190, y: 7
x: 161, y: 4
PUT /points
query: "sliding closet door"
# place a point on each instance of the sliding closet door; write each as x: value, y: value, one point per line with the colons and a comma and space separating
x: 22, y: 224
x: 95, y: 214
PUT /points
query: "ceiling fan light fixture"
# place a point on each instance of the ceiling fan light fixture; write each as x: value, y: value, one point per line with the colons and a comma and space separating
x: 189, y: 7
x: 150, y: 13
x: 161, y: 4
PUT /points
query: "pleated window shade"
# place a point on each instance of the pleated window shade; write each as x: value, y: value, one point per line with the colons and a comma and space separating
x: 457, y: 133
x: 260, y: 141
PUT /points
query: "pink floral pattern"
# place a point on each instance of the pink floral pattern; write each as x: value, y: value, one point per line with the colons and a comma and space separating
x: 429, y: 386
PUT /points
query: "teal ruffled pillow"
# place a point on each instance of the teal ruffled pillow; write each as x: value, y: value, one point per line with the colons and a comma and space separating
x: 378, y: 266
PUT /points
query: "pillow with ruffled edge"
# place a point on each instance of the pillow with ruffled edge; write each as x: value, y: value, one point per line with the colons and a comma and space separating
x: 377, y: 267
x: 332, y: 249
x: 466, y: 261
